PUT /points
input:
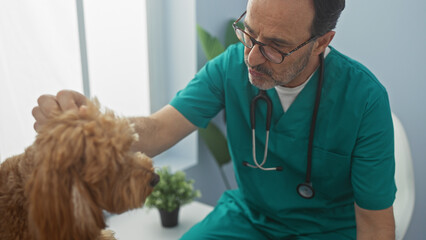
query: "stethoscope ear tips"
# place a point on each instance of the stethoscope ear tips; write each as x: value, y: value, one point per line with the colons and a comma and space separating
x: 279, y: 168
x: 245, y: 163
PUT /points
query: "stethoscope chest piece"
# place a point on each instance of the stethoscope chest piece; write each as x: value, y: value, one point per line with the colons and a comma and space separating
x: 306, y: 190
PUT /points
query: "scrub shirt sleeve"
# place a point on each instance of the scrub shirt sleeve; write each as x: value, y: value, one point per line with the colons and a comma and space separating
x: 203, y: 97
x: 373, y: 162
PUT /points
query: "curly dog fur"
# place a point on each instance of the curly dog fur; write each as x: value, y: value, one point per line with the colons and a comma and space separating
x: 79, y: 165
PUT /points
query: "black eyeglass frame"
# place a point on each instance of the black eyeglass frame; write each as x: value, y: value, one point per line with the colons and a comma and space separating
x: 261, y: 44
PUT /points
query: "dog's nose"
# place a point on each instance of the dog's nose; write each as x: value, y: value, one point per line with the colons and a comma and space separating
x: 155, y: 179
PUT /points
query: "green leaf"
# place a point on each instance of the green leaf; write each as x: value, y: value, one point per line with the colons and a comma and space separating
x: 216, y: 142
x: 211, y: 45
x: 230, y: 37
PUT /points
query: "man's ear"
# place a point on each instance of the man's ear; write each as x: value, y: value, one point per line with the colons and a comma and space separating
x: 322, y: 42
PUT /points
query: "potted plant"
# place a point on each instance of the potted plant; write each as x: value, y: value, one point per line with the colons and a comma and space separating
x: 173, y: 191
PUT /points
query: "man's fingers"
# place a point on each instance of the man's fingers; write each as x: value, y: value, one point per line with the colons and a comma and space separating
x: 47, y: 107
x: 79, y: 98
x: 38, y: 116
x: 67, y: 101
x: 83, y: 110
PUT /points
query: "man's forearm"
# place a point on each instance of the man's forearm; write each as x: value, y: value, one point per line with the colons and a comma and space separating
x: 160, y: 131
x: 375, y: 225
x: 146, y: 127
x: 375, y: 234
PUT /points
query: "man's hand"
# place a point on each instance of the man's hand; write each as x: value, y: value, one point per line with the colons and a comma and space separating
x: 375, y: 224
x: 49, y: 105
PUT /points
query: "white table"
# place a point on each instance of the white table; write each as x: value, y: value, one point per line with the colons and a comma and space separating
x: 145, y: 223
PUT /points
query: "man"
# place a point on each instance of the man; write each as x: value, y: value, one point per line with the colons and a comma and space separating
x: 352, y: 152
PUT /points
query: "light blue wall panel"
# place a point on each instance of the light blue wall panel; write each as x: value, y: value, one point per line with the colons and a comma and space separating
x: 389, y: 37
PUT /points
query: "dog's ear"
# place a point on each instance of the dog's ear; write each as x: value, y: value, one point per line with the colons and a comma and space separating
x: 88, y: 216
x: 60, y: 206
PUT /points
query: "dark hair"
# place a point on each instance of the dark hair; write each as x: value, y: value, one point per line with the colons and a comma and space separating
x: 327, y: 12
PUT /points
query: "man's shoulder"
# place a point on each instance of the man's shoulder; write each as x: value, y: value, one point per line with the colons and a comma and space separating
x: 236, y: 47
x: 235, y: 53
x: 230, y: 58
x: 230, y: 64
x: 351, y: 72
x: 339, y: 60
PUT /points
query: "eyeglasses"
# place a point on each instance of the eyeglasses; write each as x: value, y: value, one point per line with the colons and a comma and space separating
x: 272, y: 54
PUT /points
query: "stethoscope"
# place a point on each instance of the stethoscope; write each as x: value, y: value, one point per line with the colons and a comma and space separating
x: 304, y: 189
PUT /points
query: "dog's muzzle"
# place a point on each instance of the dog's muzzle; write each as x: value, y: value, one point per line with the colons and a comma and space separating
x: 155, y: 179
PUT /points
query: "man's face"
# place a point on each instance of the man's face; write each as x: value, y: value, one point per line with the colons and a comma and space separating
x: 283, y: 24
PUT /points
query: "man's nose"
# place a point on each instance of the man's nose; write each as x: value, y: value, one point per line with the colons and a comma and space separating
x: 255, y: 56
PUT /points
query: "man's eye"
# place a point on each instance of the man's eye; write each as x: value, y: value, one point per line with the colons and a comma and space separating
x: 281, y: 47
x: 277, y: 45
x: 250, y: 33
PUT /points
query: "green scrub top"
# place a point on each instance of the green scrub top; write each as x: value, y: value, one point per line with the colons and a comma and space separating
x: 353, y: 149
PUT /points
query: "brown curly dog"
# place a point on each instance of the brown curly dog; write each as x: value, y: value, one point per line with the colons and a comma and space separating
x: 79, y: 165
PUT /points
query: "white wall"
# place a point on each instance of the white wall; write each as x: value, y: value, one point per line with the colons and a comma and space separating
x: 39, y: 54
x: 117, y: 52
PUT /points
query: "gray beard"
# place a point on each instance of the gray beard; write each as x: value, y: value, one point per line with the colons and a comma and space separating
x: 280, y: 80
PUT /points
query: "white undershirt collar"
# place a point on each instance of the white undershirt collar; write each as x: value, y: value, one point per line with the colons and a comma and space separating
x: 288, y: 95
